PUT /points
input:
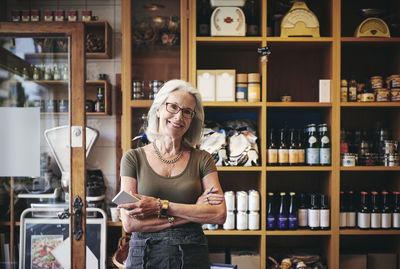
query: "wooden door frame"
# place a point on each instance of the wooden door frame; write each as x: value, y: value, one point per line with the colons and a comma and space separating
x: 77, y: 112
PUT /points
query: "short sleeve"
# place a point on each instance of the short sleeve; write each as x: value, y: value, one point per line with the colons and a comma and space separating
x: 129, y: 164
x: 207, y: 164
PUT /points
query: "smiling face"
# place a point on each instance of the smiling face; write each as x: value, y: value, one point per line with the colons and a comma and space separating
x: 176, y: 125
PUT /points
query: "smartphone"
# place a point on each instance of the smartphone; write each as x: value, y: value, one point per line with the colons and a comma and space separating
x: 123, y: 198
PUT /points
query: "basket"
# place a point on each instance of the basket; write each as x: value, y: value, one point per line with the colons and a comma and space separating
x: 122, y: 252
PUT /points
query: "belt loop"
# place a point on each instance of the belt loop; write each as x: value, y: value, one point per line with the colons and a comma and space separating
x: 146, y: 250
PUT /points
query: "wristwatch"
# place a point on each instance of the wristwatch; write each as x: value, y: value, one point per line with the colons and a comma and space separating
x: 164, y: 208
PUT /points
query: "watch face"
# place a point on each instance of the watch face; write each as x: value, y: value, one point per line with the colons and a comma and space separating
x: 300, y: 15
x: 228, y: 20
x: 373, y: 25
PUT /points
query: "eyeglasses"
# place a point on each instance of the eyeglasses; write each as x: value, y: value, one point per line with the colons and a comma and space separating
x: 174, y: 108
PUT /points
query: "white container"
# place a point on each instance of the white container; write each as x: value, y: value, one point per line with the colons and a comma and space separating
x: 254, y: 220
x: 242, y: 220
x: 242, y: 201
x: 225, y: 85
x: 227, y: 3
x: 254, y: 200
x: 324, y: 90
x: 230, y: 221
x: 230, y: 200
x: 206, y: 84
x: 114, y: 214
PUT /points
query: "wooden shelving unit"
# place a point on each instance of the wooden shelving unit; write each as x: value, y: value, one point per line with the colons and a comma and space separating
x: 294, y: 67
x: 103, y: 30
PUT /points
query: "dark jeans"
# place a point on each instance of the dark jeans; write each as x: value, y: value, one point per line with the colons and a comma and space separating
x: 178, y: 247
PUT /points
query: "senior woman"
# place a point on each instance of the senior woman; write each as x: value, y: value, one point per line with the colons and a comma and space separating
x: 176, y: 183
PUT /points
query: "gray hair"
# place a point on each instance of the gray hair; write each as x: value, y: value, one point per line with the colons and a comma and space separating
x: 193, y: 135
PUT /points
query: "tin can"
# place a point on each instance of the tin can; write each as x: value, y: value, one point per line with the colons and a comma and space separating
x: 253, y: 87
x: 382, y: 95
x: 389, y: 147
x: 376, y: 82
x: 367, y: 97
x: 137, y: 90
x: 242, y: 220
x: 348, y: 159
x: 242, y: 201
x: 155, y: 86
x: 368, y: 159
x: 254, y: 220
x: 392, y: 159
x: 230, y: 200
x: 254, y: 200
x: 394, y: 81
x: 241, y: 87
x: 343, y: 90
x: 230, y: 221
x: 395, y: 95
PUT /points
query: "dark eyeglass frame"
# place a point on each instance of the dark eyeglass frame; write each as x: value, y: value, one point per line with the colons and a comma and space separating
x: 187, y: 116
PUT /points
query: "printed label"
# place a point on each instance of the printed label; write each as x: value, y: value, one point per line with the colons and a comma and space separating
x: 302, y: 156
x: 351, y: 219
x: 312, y: 155
x: 376, y: 220
x: 303, y: 217
x: 324, y: 218
x: 283, y: 156
x: 271, y: 222
x: 293, y: 156
x: 272, y: 156
x: 325, y: 156
x: 396, y: 220
x: 293, y: 222
x: 312, y: 140
x: 313, y: 218
x: 342, y: 219
x: 386, y: 220
x: 364, y: 220
x: 282, y: 222
x: 325, y: 140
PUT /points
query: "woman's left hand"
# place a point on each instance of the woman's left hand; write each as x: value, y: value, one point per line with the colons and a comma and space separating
x: 211, y: 197
x: 145, y: 207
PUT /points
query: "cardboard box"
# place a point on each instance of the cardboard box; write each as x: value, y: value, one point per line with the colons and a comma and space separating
x: 353, y: 261
x: 382, y: 260
x: 324, y: 90
x: 225, y: 85
x: 206, y: 84
x: 245, y: 259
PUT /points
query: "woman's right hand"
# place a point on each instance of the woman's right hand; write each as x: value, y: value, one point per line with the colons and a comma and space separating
x: 211, y: 197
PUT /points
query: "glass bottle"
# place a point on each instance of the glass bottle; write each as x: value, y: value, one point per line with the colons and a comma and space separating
x: 65, y: 73
x: 314, y: 213
x: 386, y: 211
x: 283, y: 151
x: 351, y: 216
x: 300, y: 148
x: 312, y: 146
x: 36, y: 74
x: 293, y: 219
x: 203, y: 22
x: 352, y: 95
x: 57, y: 73
x: 364, y: 143
x: 343, y: 211
x: 48, y: 75
x: 100, y: 100
x: 272, y: 151
x: 293, y: 152
x: 376, y: 215
x: 364, y: 212
x: 324, y: 213
x: 302, y: 212
x: 396, y: 210
x: 271, y: 214
x: 283, y: 213
x: 25, y: 73
x: 344, y: 145
x: 343, y: 90
x: 252, y: 18
x: 325, y: 147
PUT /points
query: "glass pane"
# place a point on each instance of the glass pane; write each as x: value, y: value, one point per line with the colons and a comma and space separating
x: 34, y: 145
x: 155, y: 45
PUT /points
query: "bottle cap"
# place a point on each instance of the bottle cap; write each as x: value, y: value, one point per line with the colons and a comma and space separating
x: 241, y: 78
x: 253, y: 77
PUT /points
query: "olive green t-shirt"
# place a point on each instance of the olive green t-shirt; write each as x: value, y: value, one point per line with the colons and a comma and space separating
x: 183, y: 188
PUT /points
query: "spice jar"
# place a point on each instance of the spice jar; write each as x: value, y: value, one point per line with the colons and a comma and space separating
x: 376, y: 82
x: 86, y: 15
x: 137, y: 90
x: 241, y: 87
x: 16, y: 15
x: 343, y: 90
x: 48, y: 15
x: 253, y: 87
x: 60, y: 15
x: 382, y: 95
x: 35, y: 15
x: 348, y: 160
x: 155, y: 86
x: 395, y: 95
x: 25, y: 15
x: 36, y: 74
x: 72, y: 15
x: 394, y: 81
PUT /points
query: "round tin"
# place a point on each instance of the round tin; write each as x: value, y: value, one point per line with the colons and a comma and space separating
x: 230, y: 200
x: 242, y: 201
x: 382, y: 95
x: 389, y: 147
x: 254, y: 200
x: 392, y: 159
x: 254, y: 220
x: 242, y: 220
x: 230, y: 221
x: 348, y: 159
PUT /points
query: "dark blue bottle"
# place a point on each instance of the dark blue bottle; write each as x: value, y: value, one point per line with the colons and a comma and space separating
x: 293, y: 220
x: 271, y: 214
x: 283, y: 220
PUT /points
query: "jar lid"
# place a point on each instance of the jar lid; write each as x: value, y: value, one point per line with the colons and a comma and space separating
x: 376, y: 77
x: 253, y: 77
x: 240, y: 78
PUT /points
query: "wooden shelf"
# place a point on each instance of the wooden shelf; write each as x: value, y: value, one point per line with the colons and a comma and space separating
x: 370, y: 104
x: 298, y: 232
x: 141, y: 103
x: 370, y: 39
x: 232, y: 232
x: 299, y: 168
x: 370, y: 168
x: 230, y: 39
x: 232, y: 104
x: 368, y: 232
x: 300, y: 39
x: 298, y: 104
x: 114, y: 224
x: 239, y: 168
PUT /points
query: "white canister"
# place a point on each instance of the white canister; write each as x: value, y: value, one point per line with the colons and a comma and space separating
x: 254, y: 220
x: 242, y: 201
x: 230, y: 200
x: 230, y: 221
x: 242, y: 220
x: 254, y: 200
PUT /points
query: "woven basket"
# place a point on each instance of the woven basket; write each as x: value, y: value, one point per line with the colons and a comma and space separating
x: 122, y: 252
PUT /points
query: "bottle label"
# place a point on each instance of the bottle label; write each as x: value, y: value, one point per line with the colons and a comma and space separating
x: 293, y: 221
x: 376, y: 220
x: 312, y: 155
x: 343, y: 94
x: 325, y: 139
x: 303, y: 217
x: 351, y: 219
x: 271, y: 222
x: 364, y: 220
x: 396, y: 220
x: 325, y: 156
x: 282, y: 222
x: 312, y: 140
x: 342, y: 220
x: 352, y: 94
x: 314, y: 218
x: 324, y: 218
x: 386, y: 220
x: 241, y: 93
x: 302, y: 155
x: 283, y: 155
x: 272, y: 156
x: 293, y: 156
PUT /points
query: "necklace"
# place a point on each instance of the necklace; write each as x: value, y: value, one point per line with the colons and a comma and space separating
x: 174, y: 160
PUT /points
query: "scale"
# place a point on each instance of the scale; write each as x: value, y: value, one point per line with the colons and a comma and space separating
x: 300, y: 21
x: 372, y: 27
x: 228, y: 18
